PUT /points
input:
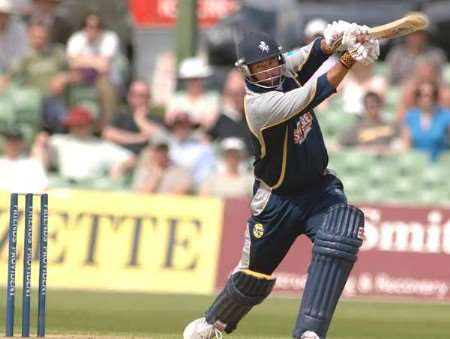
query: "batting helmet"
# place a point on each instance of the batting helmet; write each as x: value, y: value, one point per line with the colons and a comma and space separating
x: 256, y: 47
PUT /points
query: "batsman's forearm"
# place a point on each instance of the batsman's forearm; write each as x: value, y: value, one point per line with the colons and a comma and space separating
x: 338, y: 72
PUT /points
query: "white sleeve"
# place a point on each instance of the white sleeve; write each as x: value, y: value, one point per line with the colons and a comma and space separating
x: 275, y: 107
x: 75, y: 44
x: 295, y: 59
x: 113, y: 154
x: 38, y: 178
x: 56, y: 143
x: 109, y: 45
x: 56, y: 140
x: 272, y: 108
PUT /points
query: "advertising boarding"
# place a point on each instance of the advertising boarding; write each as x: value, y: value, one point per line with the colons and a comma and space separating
x: 405, y: 254
x: 122, y: 241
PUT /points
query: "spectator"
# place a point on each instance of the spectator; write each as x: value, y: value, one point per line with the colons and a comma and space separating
x: 370, y: 132
x: 426, y: 127
x: 231, y: 119
x: 402, y: 58
x: 22, y: 7
x: 201, y: 105
x: 157, y: 173
x: 187, y: 150
x: 79, y: 156
x: 232, y: 180
x: 163, y: 80
x: 134, y: 127
x: 425, y: 71
x: 45, y: 12
x: 19, y: 172
x: 361, y: 80
x: 92, y: 52
x: 44, y: 68
x: 314, y: 29
x: 13, y: 36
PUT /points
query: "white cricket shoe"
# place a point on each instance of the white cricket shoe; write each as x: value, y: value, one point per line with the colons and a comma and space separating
x: 200, y: 329
x: 309, y: 335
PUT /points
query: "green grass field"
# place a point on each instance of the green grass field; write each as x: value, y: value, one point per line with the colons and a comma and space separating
x: 164, y: 316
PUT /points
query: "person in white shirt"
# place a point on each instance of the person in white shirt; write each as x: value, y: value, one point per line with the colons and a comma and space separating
x: 361, y: 79
x: 92, y: 52
x: 18, y: 172
x: 156, y: 173
x: 13, y: 36
x: 189, y: 150
x: 79, y: 156
x: 232, y: 179
x: 200, y: 103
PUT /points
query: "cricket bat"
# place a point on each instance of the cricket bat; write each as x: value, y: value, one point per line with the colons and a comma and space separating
x: 410, y: 23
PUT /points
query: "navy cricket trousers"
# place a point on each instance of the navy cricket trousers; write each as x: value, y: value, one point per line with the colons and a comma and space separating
x: 277, y: 220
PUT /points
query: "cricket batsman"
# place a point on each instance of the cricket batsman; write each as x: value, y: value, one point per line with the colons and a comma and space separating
x: 294, y: 192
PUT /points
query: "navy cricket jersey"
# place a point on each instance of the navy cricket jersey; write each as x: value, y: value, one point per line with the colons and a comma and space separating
x: 289, y: 147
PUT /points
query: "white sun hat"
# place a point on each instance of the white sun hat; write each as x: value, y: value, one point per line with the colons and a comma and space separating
x: 232, y: 144
x: 315, y: 27
x: 195, y: 67
x: 6, y: 6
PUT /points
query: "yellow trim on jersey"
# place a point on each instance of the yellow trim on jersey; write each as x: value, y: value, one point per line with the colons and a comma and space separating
x: 299, y: 67
x: 283, y: 166
x: 263, y: 183
x: 284, y: 161
x: 257, y: 274
x: 258, y: 135
x: 245, y: 114
x: 296, y: 81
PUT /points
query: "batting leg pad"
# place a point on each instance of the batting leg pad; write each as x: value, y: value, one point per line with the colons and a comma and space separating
x: 334, y: 252
x: 242, y: 291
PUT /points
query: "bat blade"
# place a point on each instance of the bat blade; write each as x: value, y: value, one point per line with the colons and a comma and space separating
x: 404, y: 26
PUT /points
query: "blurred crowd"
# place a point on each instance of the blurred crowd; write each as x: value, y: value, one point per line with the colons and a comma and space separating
x: 71, y: 115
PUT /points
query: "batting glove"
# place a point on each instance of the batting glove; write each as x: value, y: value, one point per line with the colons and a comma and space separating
x: 367, y: 52
x: 333, y: 35
x: 353, y: 36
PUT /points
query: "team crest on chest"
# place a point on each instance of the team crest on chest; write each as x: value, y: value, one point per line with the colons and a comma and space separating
x: 304, y: 126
